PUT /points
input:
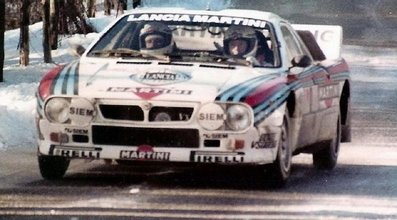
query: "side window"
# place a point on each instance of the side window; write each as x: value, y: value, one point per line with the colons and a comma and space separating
x: 294, y: 45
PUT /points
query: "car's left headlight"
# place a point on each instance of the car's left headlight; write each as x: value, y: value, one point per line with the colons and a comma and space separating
x: 238, y: 117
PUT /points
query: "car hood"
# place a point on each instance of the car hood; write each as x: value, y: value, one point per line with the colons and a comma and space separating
x: 158, y: 81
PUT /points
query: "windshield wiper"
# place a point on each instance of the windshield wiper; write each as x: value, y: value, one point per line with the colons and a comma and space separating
x: 126, y: 52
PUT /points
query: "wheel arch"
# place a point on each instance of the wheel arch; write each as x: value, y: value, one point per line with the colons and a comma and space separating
x: 291, y: 104
x: 345, y: 106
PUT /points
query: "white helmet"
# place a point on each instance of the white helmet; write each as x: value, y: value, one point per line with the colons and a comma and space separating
x: 156, y: 38
x: 244, y: 33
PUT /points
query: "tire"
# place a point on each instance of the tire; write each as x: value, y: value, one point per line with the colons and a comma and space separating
x: 279, y: 171
x: 326, y: 159
x: 53, y: 167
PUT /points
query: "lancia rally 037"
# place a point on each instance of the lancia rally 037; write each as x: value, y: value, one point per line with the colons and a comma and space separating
x: 229, y: 87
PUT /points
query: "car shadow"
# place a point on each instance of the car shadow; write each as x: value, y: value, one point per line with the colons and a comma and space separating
x: 366, y: 180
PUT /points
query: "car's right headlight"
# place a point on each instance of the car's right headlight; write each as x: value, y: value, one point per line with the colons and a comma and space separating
x: 238, y: 117
x: 57, y: 110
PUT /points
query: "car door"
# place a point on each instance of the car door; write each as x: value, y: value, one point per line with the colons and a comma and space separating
x: 306, y: 83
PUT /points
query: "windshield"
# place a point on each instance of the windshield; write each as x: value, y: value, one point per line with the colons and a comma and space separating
x: 199, y: 38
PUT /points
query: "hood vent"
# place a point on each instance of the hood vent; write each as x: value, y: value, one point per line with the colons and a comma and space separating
x: 175, y: 64
x: 134, y: 62
x: 218, y: 67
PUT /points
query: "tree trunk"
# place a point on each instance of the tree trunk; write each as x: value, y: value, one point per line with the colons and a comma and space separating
x: 107, y: 6
x: 63, y: 23
x: 53, y: 24
x: 46, y: 31
x: 2, y: 28
x: 24, y: 38
x: 136, y: 3
x: 91, y: 8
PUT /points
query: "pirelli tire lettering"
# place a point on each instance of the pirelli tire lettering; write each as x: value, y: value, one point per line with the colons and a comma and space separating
x: 71, y: 152
x: 217, y: 157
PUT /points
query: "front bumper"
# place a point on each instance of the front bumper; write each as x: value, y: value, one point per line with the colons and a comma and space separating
x: 160, y: 143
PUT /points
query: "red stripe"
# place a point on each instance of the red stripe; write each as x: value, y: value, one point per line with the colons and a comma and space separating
x: 265, y: 90
x: 46, y: 82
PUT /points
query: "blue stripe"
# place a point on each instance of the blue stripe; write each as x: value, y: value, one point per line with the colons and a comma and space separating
x: 71, y: 79
x: 250, y: 88
x: 64, y: 84
x: 59, y: 83
x: 262, y: 115
x: 273, y: 98
x: 235, y: 89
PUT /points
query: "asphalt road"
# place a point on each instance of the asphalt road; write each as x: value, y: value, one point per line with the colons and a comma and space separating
x: 362, y: 186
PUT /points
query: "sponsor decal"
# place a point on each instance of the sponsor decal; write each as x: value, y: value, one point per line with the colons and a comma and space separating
x: 81, y: 111
x: 265, y: 141
x: 199, y: 19
x: 160, y: 78
x: 327, y: 93
x: 215, y: 136
x: 216, y: 157
x: 73, y: 152
x: 211, y: 116
x: 76, y: 131
x: 145, y: 152
x: 149, y: 92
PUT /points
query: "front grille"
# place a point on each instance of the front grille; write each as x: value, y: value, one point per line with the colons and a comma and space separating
x: 175, y: 113
x: 156, y: 137
x: 135, y: 113
x: 122, y: 112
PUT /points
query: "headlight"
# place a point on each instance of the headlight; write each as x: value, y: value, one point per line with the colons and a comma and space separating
x: 225, y: 116
x: 211, y: 116
x: 81, y: 111
x: 76, y: 111
x: 238, y: 117
x: 57, y: 110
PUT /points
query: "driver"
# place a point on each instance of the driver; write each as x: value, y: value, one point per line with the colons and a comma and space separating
x: 242, y: 42
x: 156, y: 38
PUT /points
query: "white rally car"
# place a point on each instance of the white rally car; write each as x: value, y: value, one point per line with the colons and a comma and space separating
x: 230, y: 87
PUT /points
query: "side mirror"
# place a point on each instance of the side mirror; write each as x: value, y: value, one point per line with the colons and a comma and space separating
x: 301, y: 61
x: 76, y: 50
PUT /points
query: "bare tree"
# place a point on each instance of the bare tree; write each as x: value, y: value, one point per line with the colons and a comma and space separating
x: 91, y: 8
x: 46, y: 31
x: 72, y: 17
x: 53, y: 24
x: 2, y: 28
x: 24, y: 35
x: 107, y: 6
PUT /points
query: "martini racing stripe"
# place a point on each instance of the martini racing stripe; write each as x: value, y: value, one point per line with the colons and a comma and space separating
x: 242, y: 89
x: 269, y: 105
x: 66, y: 82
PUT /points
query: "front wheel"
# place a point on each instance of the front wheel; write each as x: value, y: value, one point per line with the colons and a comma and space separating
x: 53, y: 167
x: 280, y: 169
x: 326, y: 158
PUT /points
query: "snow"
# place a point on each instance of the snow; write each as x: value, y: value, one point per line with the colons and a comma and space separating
x: 18, y: 102
x: 17, y: 92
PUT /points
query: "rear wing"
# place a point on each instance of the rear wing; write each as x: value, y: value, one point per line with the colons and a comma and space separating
x: 328, y: 37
